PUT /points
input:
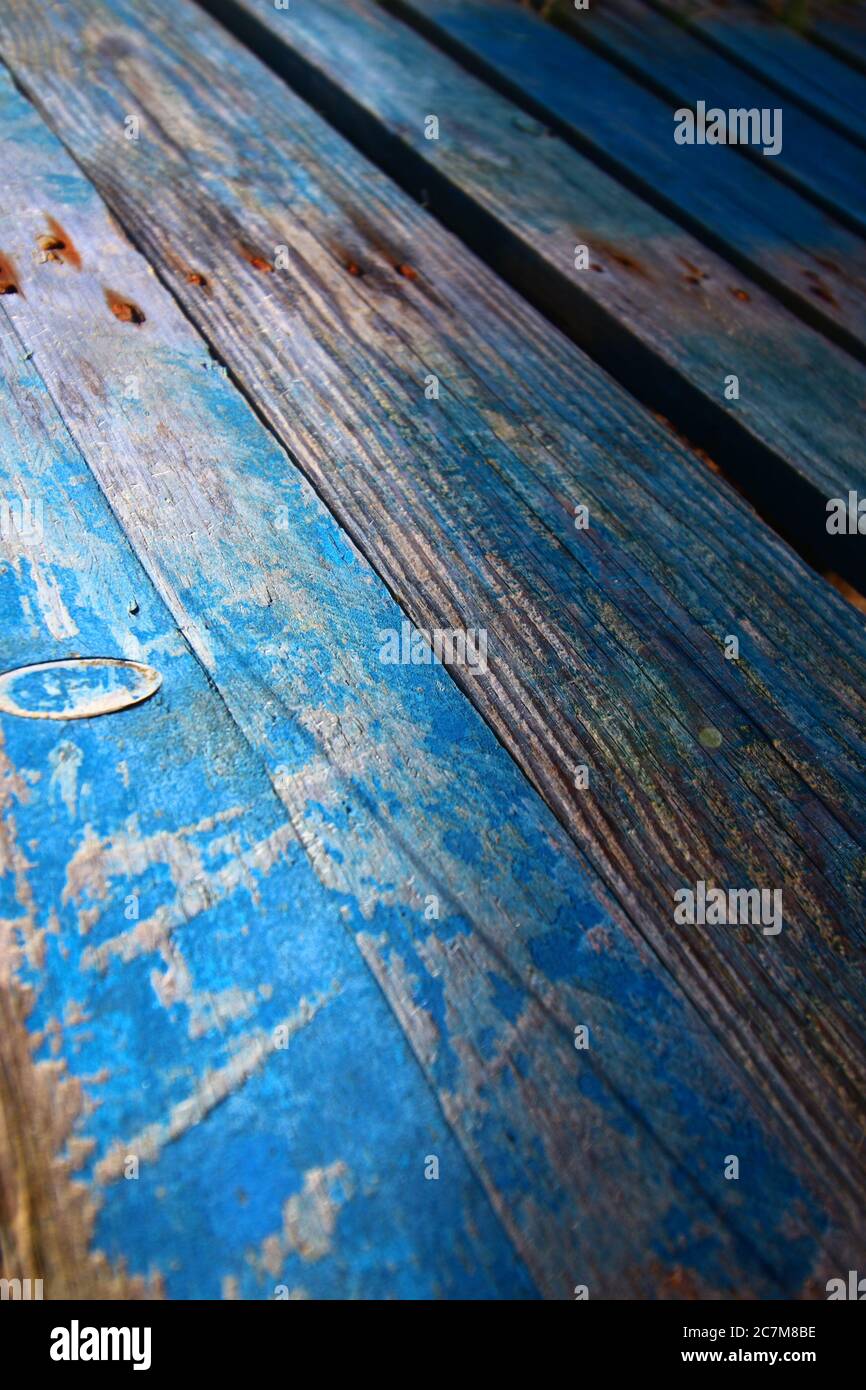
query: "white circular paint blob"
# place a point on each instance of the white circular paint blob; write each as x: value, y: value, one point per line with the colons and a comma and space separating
x: 78, y: 688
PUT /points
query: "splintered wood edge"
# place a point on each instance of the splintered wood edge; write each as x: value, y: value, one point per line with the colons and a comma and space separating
x: 47, y: 1215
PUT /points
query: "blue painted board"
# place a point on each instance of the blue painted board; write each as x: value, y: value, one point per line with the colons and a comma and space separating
x: 163, y: 924
x: 803, y: 72
x: 673, y: 63
x: 840, y: 28
x: 766, y: 229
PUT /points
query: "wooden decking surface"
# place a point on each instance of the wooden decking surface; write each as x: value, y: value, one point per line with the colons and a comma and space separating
x: 305, y: 928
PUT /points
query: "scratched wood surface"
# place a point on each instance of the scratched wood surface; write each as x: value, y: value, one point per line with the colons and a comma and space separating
x: 392, y: 783
x: 362, y: 758
x: 767, y: 230
x: 608, y: 652
x: 160, y: 922
x: 675, y: 64
x: 657, y: 308
x: 804, y: 73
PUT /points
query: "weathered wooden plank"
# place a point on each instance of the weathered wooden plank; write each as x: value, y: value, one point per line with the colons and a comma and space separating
x: 160, y: 923
x: 601, y: 649
x: 674, y: 63
x: 767, y: 230
x: 840, y: 28
x: 601, y: 1161
x: 759, y: 43
x: 668, y: 317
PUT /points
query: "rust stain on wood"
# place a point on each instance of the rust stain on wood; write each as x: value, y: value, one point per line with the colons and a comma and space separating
x: 124, y: 309
x: 57, y: 245
x: 694, y: 275
x: 254, y: 259
x: 619, y: 257
x: 819, y: 289
x: 8, y: 277
x: 189, y: 273
x: 393, y: 252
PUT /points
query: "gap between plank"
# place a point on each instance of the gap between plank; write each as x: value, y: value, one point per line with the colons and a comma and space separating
x: 780, y: 496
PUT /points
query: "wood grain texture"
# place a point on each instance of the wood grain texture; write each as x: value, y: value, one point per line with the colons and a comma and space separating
x: 659, y: 310
x: 604, y: 645
x: 799, y: 69
x: 840, y: 28
x: 160, y: 922
x: 47, y: 1215
x: 766, y: 230
x: 674, y: 64
x: 607, y: 1162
